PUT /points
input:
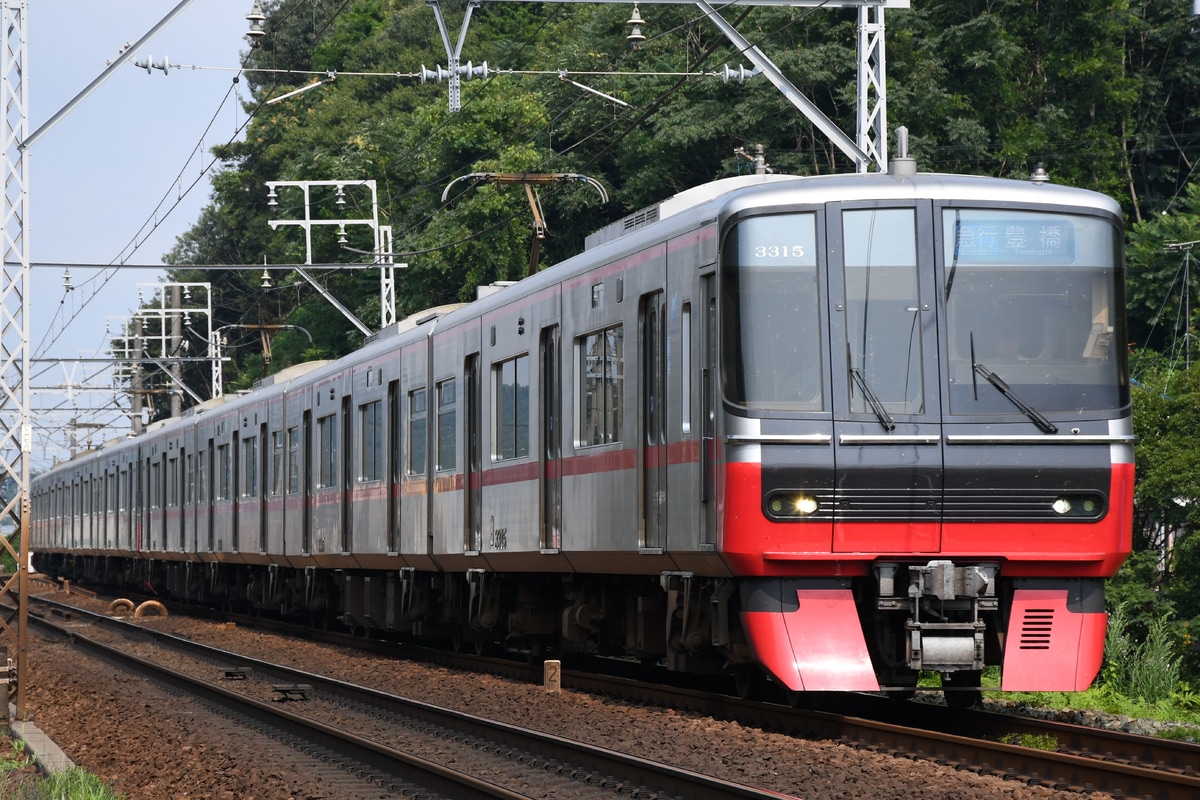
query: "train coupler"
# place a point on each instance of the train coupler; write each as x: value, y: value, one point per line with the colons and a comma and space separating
x: 945, y: 647
x: 945, y: 601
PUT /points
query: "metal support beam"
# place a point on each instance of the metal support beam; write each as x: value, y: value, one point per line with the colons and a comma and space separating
x: 870, y: 144
x: 453, y: 54
x: 16, y: 433
x: 872, y: 88
x: 381, y: 255
x: 794, y: 95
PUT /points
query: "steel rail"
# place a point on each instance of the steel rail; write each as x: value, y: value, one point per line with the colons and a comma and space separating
x: 627, y: 769
x: 1087, y: 759
x: 405, y: 769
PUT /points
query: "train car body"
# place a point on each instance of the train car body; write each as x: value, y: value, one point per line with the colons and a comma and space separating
x: 844, y: 428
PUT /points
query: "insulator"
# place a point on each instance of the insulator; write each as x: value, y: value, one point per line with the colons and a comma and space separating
x: 149, y: 64
x: 740, y: 74
x: 470, y: 71
x: 439, y: 74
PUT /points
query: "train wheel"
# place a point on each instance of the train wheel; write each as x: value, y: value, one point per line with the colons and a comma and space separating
x: 962, y: 689
x: 749, y: 682
x: 905, y: 687
x: 539, y: 651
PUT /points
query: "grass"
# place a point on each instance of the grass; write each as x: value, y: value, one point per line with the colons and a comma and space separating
x: 19, y: 779
x: 1036, y: 741
x: 1180, y: 707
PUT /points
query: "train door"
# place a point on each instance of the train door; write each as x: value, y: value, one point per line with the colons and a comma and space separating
x: 394, y: 466
x: 141, y: 511
x: 551, y: 466
x: 708, y: 409
x: 125, y: 532
x: 652, y: 330
x: 264, y: 486
x: 182, y: 504
x: 234, y: 489
x: 474, y: 455
x: 162, y: 486
x: 208, y: 463
x: 887, y: 430
x: 306, y: 485
x: 347, y: 474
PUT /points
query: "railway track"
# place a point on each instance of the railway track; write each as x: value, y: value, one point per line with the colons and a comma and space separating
x: 389, y: 739
x: 1083, y: 760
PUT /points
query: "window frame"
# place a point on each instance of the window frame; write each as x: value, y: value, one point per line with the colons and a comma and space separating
x: 608, y: 386
x: 447, y: 424
x: 372, y: 440
x: 511, y: 428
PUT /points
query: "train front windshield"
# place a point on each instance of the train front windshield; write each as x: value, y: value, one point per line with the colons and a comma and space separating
x: 1030, y: 299
x: 1034, y: 299
x: 771, y: 314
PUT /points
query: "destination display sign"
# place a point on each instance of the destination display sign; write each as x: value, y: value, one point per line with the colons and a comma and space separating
x: 1027, y: 239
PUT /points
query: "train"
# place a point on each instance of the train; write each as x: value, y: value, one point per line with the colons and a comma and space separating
x: 831, y: 431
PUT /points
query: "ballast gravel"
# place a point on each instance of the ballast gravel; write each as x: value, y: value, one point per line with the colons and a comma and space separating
x: 150, y: 745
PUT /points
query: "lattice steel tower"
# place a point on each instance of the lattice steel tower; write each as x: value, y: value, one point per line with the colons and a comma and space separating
x: 15, y: 431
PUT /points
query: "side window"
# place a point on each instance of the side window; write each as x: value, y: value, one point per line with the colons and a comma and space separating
x: 201, y: 477
x: 276, y: 462
x: 293, y: 451
x: 447, y: 420
x: 370, y: 417
x: 224, y: 472
x: 155, y: 486
x: 416, y: 432
x: 250, y: 466
x: 326, y: 451
x: 512, y: 408
x: 602, y: 383
x: 173, y: 483
x: 189, y: 482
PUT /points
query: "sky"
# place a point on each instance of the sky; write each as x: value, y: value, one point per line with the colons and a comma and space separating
x: 96, y: 178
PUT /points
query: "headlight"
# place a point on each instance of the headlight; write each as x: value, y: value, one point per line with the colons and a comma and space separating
x: 1084, y: 506
x: 791, y: 505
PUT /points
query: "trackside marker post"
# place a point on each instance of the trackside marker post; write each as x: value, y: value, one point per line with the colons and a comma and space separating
x: 552, y: 676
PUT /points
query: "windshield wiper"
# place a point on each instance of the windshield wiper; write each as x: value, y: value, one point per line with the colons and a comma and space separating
x: 1045, y: 425
x: 885, y: 419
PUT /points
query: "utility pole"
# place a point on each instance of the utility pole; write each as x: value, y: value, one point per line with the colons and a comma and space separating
x: 176, y: 343
x: 137, y: 393
x: 16, y: 434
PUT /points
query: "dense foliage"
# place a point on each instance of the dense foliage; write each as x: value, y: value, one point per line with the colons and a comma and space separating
x: 1105, y: 93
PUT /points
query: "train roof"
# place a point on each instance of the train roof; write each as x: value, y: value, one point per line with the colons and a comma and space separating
x: 689, y: 208
x: 750, y: 190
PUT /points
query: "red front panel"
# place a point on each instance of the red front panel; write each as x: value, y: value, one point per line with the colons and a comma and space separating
x: 818, y: 647
x: 756, y: 546
x: 1051, y: 647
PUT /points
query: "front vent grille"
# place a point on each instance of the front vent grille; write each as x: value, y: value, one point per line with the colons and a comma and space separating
x: 1036, y: 628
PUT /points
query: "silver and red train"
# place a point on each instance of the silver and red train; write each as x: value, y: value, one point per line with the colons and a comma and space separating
x: 841, y: 428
